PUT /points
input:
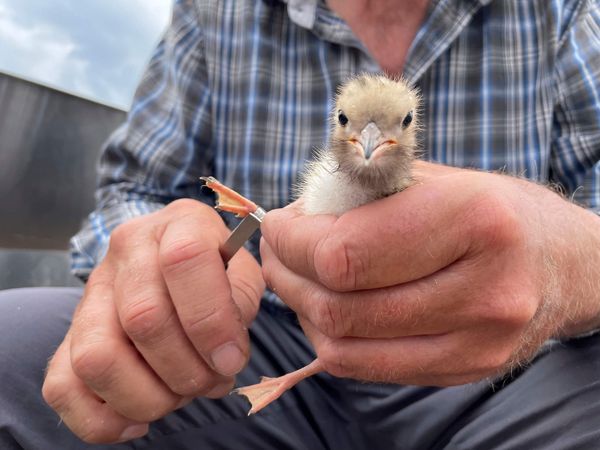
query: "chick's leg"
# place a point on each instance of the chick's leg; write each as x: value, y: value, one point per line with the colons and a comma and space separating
x: 270, y: 389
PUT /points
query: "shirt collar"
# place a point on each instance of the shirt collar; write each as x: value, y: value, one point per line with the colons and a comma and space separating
x: 302, y: 12
x: 315, y: 15
x: 445, y: 20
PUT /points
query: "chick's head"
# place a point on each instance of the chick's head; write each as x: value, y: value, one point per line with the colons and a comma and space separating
x: 375, y: 126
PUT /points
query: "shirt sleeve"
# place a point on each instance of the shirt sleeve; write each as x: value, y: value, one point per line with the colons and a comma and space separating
x: 575, y: 160
x: 164, y: 146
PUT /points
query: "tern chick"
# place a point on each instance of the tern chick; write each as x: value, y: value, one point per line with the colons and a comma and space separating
x: 369, y: 156
x: 372, y: 146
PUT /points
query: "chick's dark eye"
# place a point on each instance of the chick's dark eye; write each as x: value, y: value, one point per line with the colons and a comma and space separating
x: 407, y: 120
x: 342, y: 119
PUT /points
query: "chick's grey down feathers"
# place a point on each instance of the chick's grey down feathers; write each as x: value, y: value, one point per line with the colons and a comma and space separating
x: 371, y: 149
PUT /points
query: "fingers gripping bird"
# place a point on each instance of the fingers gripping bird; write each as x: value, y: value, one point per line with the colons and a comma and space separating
x: 369, y: 156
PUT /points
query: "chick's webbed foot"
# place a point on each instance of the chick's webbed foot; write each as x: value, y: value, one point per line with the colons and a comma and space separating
x: 228, y: 199
x: 270, y: 389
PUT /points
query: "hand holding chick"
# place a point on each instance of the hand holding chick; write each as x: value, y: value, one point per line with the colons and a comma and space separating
x: 451, y: 281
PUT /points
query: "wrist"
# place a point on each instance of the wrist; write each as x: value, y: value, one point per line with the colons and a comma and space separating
x: 570, y: 262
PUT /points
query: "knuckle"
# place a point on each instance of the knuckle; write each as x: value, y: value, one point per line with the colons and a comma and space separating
x: 251, y: 289
x: 98, y: 281
x: 92, y: 362
x: 176, y: 254
x: 144, y: 321
x: 337, y: 264
x: 246, y: 296
x: 492, y: 362
x: 495, y: 220
x: 185, y: 205
x: 332, y: 360
x: 268, y: 279
x: 516, y: 313
x: 121, y: 236
x: 54, y: 392
x: 204, y: 324
x: 267, y: 273
x: 327, y: 316
x: 508, y: 310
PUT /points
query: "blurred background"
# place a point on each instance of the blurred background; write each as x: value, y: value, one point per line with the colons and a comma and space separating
x: 68, y: 71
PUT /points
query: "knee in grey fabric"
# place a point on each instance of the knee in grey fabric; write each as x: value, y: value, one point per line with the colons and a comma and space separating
x: 33, y: 323
x: 553, y: 404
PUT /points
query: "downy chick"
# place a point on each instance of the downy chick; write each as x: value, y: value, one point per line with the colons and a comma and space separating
x: 372, y: 146
x: 369, y: 156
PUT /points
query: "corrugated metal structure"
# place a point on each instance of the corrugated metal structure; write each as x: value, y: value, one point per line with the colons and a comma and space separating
x: 49, y: 144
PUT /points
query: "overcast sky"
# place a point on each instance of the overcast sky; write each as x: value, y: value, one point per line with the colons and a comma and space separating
x: 95, y: 48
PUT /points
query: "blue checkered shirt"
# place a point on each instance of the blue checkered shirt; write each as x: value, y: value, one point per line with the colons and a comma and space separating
x: 242, y: 89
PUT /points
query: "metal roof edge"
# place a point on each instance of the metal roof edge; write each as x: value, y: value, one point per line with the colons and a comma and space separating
x: 61, y: 90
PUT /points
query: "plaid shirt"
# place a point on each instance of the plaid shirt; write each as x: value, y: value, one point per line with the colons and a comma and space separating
x: 242, y: 89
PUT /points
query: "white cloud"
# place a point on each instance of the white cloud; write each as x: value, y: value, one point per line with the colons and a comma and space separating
x: 156, y: 12
x: 96, y: 48
x: 41, y: 52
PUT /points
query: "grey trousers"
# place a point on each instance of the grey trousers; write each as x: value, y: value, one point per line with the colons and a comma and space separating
x: 553, y: 404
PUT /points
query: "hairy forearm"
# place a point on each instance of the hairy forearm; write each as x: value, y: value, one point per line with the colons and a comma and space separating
x: 577, y: 267
x: 562, y: 240
x: 571, y: 263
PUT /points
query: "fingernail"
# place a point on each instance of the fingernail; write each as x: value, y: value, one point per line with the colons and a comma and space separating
x: 228, y: 359
x: 133, y: 431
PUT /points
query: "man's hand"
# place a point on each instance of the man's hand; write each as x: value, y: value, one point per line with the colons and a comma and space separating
x: 457, y: 278
x: 161, y: 321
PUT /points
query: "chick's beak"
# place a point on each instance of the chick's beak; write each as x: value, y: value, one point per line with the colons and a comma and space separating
x: 370, y: 137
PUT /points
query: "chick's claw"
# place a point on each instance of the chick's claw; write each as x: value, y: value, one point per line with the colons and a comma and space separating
x: 262, y: 394
x: 228, y: 199
x: 270, y: 389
